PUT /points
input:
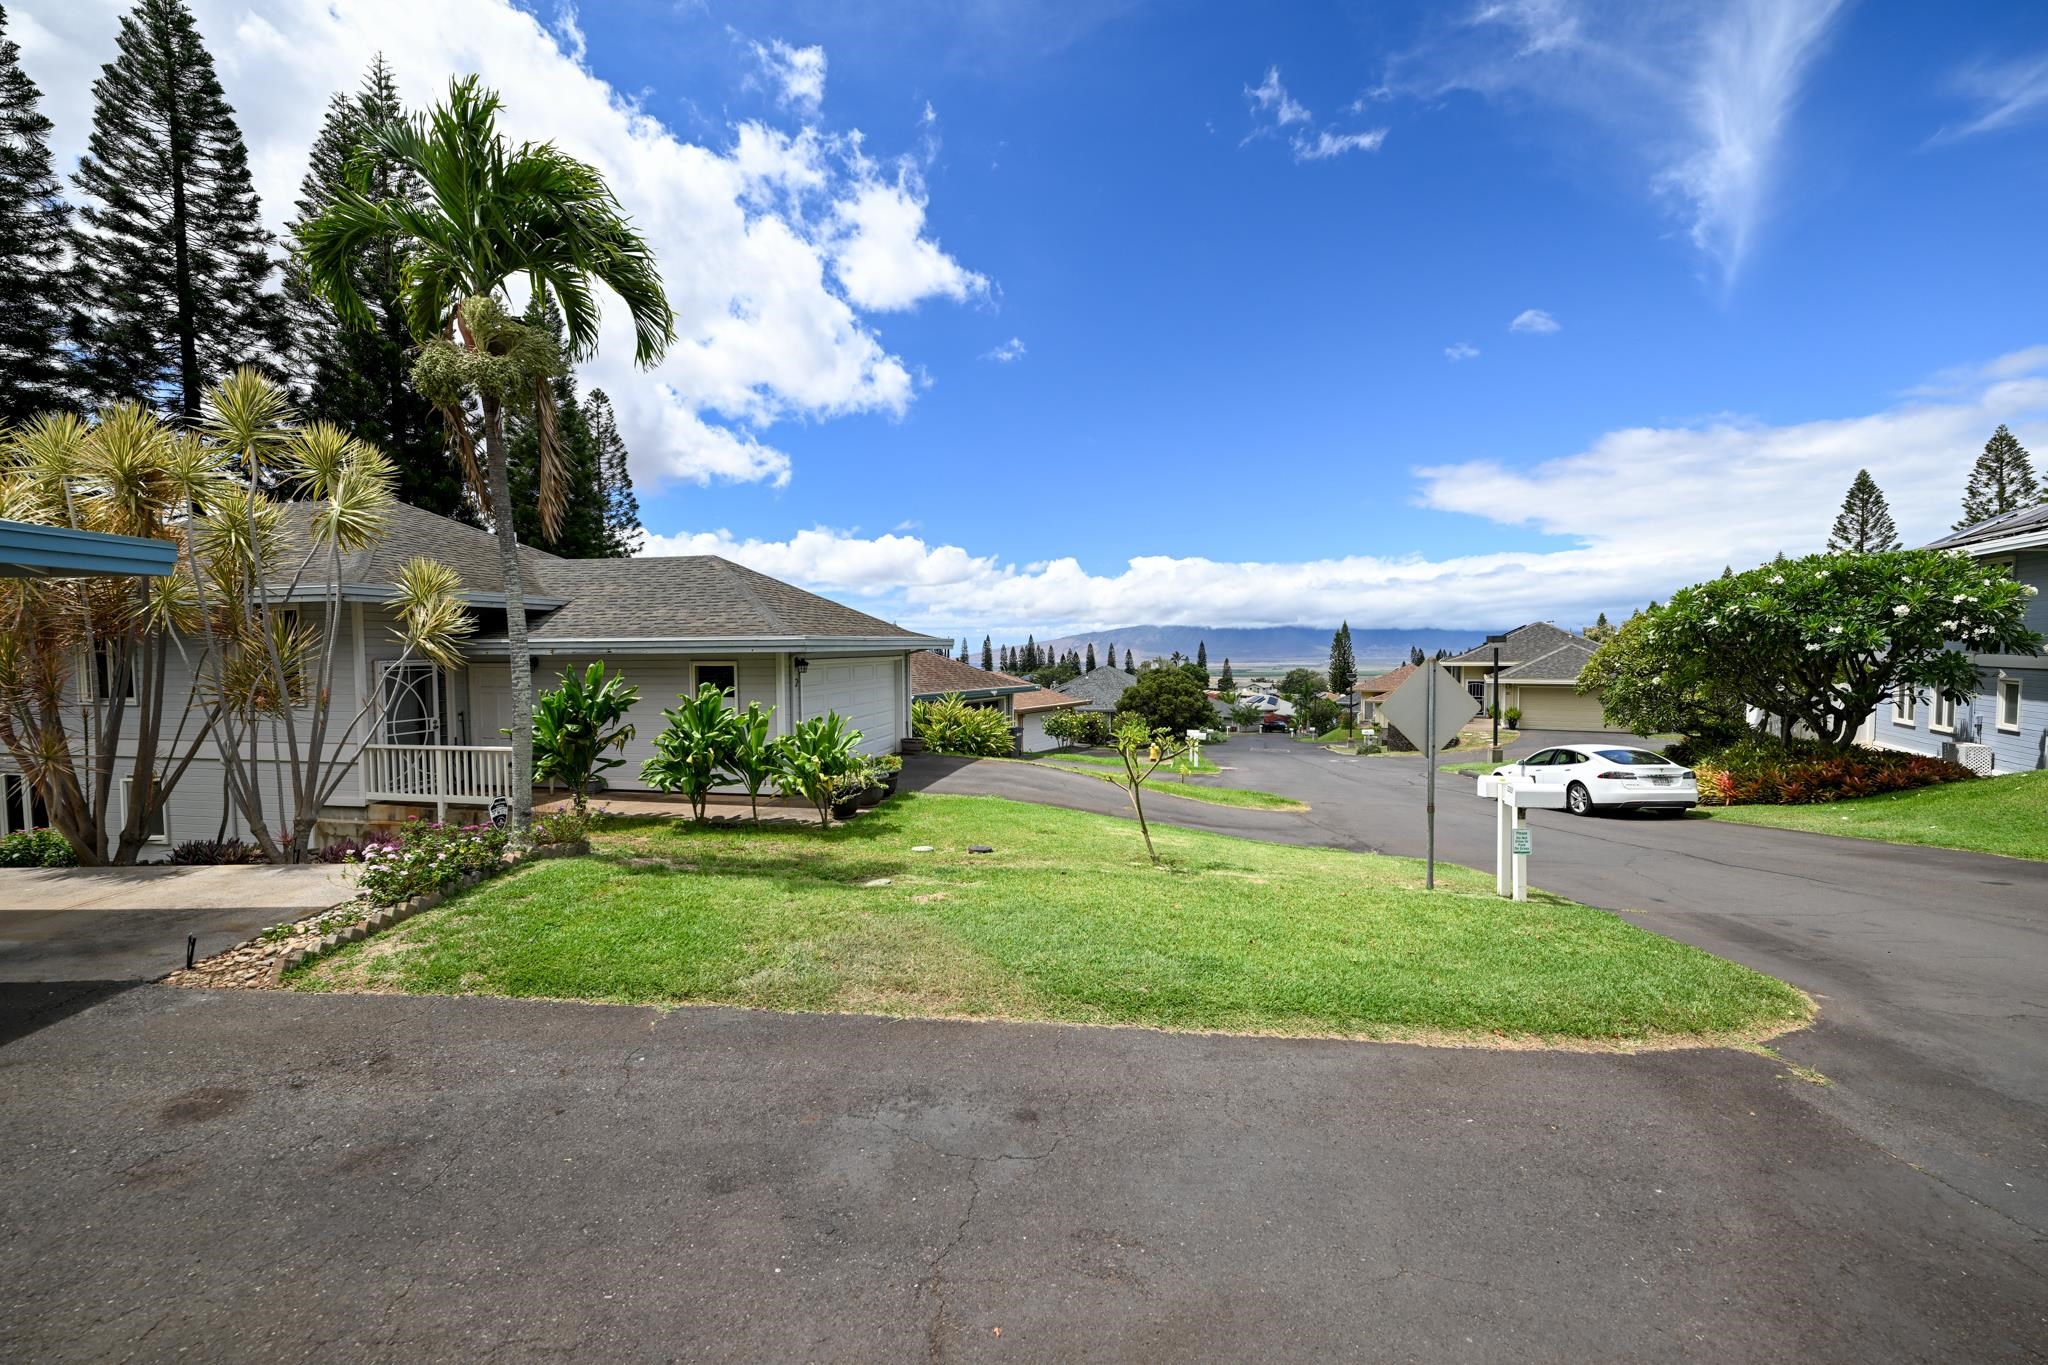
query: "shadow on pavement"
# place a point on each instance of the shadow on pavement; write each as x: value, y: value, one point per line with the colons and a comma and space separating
x: 26, y: 1006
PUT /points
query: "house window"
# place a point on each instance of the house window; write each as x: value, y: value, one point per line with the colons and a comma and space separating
x: 725, y: 676
x: 21, y: 806
x: 1904, y: 705
x: 158, y: 831
x: 410, y: 696
x: 1477, y: 687
x: 106, y: 663
x: 2009, y: 704
x: 1944, y: 718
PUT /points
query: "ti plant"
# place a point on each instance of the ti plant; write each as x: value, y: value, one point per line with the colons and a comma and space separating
x: 812, y: 758
x: 576, y: 726
x: 752, y: 758
x: 1143, y: 751
x: 693, y: 749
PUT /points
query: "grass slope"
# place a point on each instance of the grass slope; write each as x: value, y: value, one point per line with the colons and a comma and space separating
x: 1166, y: 783
x: 1065, y: 920
x: 2005, y: 815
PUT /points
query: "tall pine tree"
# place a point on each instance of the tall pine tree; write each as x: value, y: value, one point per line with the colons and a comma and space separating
x: 360, y: 378
x: 963, y: 649
x: 1088, y: 664
x: 621, y: 505
x: 2001, y: 481
x: 1129, y: 665
x: 33, y: 222
x: 1226, y: 681
x: 1864, y: 525
x: 170, y: 256
x: 988, y: 655
x: 1343, y: 666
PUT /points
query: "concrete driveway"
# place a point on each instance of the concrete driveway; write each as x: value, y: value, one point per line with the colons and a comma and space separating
x: 70, y: 936
x: 1931, y: 966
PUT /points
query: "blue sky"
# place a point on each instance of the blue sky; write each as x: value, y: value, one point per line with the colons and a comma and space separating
x: 1255, y: 271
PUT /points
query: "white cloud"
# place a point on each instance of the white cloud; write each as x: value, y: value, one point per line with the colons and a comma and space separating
x: 798, y: 73
x: 1637, y: 513
x: 772, y: 245
x: 2006, y: 94
x: 1461, y: 350
x: 1280, y: 113
x: 1013, y: 349
x: 1534, y: 320
x: 1704, y: 91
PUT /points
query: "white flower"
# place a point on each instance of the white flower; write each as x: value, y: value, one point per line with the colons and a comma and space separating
x: 2030, y: 590
x: 1959, y: 597
x: 1901, y: 609
x: 1813, y: 649
x: 1834, y: 630
x: 1777, y: 578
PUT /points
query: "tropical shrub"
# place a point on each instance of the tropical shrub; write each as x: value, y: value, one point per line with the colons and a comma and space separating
x: 215, y: 853
x: 948, y: 725
x: 1089, y: 728
x: 570, y: 826
x: 1763, y: 771
x: 751, y: 757
x: 810, y: 760
x: 425, y: 856
x: 576, y: 724
x: 1166, y: 699
x: 36, y: 848
x: 1514, y: 717
x: 691, y: 753
x: 340, y: 851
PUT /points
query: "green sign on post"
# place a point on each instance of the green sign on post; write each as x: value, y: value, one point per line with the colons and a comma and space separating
x: 1521, y: 841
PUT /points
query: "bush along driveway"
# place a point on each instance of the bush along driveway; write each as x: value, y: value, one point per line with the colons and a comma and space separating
x: 1064, y: 919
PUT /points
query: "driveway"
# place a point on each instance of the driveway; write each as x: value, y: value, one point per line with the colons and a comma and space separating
x: 1931, y: 966
x: 69, y: 936
x: 275, y: 1176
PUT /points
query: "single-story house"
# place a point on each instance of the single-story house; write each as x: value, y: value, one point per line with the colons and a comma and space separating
x: 1372, y: 691
x: 668, y: 625
x: 1539, y: 673
x: 1031, y: 709
x: 1099, y: 689
x: 2008, y: 712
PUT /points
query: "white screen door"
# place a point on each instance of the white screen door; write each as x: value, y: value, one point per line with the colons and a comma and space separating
x: 411, y: 696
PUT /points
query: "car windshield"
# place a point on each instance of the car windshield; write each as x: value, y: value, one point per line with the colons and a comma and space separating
x: 1640, y: 758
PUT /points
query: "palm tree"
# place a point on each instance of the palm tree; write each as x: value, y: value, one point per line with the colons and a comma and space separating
x: 491, y: 212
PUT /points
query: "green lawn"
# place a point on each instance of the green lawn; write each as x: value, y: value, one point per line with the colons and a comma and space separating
x: 2007, y: 815
x: 1065, y: 920
x: 1168, y: 782
x: 1204, y: 765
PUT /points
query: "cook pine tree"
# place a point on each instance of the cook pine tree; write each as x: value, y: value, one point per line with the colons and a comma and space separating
x: 1343, y: 666
x: 2001, y: 481
x: 1864, y: 525
x: 359, y: 378
x: 33, y: 223
x: 988, y: 655
x: 622, y: 529
x: 170, y: 257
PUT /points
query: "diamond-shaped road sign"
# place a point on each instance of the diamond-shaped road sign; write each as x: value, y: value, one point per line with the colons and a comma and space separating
x: 1406, y: 708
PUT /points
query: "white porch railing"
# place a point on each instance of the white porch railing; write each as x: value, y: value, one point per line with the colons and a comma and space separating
x: 460, y: 774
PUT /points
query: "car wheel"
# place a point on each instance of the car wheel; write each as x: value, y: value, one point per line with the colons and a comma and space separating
x: 1578, y: 800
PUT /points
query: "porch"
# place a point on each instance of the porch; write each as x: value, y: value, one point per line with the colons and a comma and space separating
x: 441, y: 775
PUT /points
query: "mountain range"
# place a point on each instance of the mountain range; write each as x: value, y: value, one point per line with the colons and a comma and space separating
x: 1267, y: 644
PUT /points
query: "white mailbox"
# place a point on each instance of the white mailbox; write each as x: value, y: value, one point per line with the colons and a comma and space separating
x: 1512, y: 793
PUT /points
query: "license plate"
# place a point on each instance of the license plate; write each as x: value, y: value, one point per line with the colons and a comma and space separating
x: 1661, y: 781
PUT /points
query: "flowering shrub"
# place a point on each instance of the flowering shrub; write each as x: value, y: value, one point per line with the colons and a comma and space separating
x: 216, y: 853
x: 341, y: 851
x: 426, y: 857
x: 567, y: 826
x: 36, y: 848
x: 1762, y: 772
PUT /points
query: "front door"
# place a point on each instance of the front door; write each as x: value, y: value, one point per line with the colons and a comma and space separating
x: 411, y: 698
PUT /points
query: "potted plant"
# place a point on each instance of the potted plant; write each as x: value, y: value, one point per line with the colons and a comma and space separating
x: 886, y: 770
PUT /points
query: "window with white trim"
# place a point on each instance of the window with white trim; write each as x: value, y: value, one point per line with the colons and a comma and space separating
x: 21, y: 805
x: 159, y: 831
x: 724, y: 673
x: 1944, y: 718
x: 106, y: 659
x: 1905, y: 706
x: 2009, y: 705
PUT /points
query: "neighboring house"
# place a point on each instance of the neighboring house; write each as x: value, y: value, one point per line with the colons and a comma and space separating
x: 1372, y: 691
x: 31, y: 551
x: 1031, y: 708
x: 1539, y: 673
x: 668, y: 625
x: 935, y: 675
x: 2008, y: 713
x: 1099, y: 689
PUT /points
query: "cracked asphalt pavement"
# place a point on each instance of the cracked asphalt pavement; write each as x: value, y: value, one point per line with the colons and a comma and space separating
x: 279, y: 1176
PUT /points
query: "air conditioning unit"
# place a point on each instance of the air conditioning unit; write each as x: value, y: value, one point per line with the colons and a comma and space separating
x: 1978, y: 758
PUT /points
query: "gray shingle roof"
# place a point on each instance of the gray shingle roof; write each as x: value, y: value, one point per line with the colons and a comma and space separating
x: 1563, y: 664
x: 469, y: 550
x: 1522, y: 644
x: 1099, y: 689
x: 934, y: 675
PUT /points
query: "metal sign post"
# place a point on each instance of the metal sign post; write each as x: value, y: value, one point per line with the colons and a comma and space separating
x: 1423, y: 707
x: 1429, y: 756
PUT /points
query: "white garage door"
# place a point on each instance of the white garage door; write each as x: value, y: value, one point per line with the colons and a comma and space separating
x: 862, y: 690
x: 1560, y: 708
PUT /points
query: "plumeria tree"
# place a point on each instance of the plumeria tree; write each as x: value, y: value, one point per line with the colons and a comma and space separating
x: 1823, y: 640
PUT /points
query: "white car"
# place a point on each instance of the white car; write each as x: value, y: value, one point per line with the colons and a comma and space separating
x: 1608, y: 775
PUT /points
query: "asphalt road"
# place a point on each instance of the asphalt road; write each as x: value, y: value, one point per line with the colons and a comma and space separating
x: 1931, y: 966
x: 273, y: 1176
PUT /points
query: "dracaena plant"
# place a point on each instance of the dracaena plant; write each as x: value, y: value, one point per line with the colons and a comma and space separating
x: 693, y: 749
x: 579, y: 726
x: 751, y: 760
x: 812, y: 758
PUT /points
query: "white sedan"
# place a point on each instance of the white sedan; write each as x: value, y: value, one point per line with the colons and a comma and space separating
x: 1608, y: 775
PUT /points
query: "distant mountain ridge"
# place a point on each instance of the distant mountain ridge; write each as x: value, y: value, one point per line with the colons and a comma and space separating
x: 1267, y: 644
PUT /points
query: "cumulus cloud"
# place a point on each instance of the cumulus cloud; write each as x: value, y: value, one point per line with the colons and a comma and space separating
x: 1010, y: 350
x: 1460, y: 350
x: 1278, y: 113
x: 798, y: 73
x: 773, y: 243
x: 1635, y: 514
x: 1704, y: 91
x: 1534, y: 320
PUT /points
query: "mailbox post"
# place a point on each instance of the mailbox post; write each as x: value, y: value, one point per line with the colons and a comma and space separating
x: 1514, y: 794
